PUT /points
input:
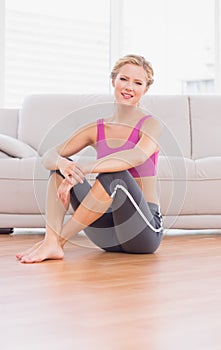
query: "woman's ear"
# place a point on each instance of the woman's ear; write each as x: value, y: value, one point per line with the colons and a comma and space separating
x: 113, y: 82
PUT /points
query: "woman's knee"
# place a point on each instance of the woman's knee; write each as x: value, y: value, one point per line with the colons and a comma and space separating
x: 113, y: 175
x: 110, y: 180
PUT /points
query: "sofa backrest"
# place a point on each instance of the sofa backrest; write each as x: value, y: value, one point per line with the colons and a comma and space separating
x: 205, y: 126
x: 48, y: 119
x: 173, y: 112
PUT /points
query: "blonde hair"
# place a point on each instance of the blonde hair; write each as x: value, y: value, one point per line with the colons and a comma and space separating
x: 137, y: 60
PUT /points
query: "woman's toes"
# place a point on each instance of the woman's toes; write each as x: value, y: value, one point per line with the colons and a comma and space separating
x: 28, y: 251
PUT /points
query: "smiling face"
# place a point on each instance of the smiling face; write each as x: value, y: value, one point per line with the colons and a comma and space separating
x: 130, y: 84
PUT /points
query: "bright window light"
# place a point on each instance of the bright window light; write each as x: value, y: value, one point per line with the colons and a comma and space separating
x: 178, y: 38
x: 56, y: 47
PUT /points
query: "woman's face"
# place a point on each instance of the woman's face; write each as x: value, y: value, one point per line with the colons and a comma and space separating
x: 130, y: 84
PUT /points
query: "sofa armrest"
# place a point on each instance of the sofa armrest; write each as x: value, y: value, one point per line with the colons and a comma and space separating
x: 16, y: 148
x: 9, y: 121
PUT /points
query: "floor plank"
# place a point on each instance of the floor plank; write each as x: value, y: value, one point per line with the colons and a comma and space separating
x: 96, y: 300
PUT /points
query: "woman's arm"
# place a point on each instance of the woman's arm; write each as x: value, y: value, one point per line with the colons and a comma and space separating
x: 123, y: 160
x: 56, y: 158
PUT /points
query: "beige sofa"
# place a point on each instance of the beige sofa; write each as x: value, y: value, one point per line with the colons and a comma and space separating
x: 189, y: 174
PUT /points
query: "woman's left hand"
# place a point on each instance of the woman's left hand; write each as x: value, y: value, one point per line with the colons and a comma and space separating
x: 63, y: 191
x: 66, y: 185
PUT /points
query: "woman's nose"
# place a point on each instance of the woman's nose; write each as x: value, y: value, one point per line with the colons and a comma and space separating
x: 129, y: 86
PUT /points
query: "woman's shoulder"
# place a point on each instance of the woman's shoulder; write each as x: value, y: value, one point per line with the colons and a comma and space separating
x: 152, y: 126
x: 87, y: 130
x: 151, y: 120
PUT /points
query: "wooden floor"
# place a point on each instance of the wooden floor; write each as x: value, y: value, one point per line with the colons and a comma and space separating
x: 94, y: 300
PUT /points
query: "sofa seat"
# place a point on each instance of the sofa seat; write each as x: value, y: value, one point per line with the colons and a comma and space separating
x: 22, y: 185
x: 194, y: 191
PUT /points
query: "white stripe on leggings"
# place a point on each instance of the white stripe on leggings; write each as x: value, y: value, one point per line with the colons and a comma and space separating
x: 137, y: 207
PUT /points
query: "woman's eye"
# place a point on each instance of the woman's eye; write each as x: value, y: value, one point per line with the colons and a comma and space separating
x: 122, y: 79
x: 138, y: 83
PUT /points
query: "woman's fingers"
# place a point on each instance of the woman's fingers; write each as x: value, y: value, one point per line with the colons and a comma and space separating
x: 69, y: 174
x: 73, y: 173
x: 63, y: 192
x: 78, y: 175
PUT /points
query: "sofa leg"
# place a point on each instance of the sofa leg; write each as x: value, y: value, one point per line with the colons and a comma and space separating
x: 6, y: 230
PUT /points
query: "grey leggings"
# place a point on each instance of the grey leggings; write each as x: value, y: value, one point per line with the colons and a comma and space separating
x: 130, y: 225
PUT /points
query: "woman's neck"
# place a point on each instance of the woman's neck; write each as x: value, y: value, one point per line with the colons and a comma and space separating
x: 125, y: 113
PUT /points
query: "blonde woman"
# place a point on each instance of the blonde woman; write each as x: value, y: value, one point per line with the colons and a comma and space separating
x: 120, y: 212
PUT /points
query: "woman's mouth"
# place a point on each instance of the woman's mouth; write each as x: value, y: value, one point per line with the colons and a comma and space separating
x: 126, y: 95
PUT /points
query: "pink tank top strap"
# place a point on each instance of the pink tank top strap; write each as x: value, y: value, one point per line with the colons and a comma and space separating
x: 137, y: 127
x: 100, y: 130
x: 140, y: 122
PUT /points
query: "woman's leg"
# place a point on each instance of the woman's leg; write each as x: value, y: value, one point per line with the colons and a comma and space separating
x: 55, y: 212
x: 138, y: 224
x: 92, y: 207
x: 101, y: 231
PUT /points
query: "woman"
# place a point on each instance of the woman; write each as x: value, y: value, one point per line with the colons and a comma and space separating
x: 120, y: 212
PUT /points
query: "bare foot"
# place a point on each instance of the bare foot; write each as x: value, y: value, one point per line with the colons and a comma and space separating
x: 29, y: 250
x: 45, y: 251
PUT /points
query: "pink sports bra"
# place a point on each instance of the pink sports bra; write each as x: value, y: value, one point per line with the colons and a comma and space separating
x: 148, y: 168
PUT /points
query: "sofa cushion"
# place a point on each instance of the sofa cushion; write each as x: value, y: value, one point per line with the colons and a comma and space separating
x: 15, y: 148
x: 176, y: 169
x: 4, y: 155
x: 23, y: 184
x: 188, y: 187
x: 208, y: 168
x: 23, y: 169
x: 205, y: 123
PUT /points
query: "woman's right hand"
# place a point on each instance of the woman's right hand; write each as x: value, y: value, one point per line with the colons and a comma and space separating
x: 72, y: 171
